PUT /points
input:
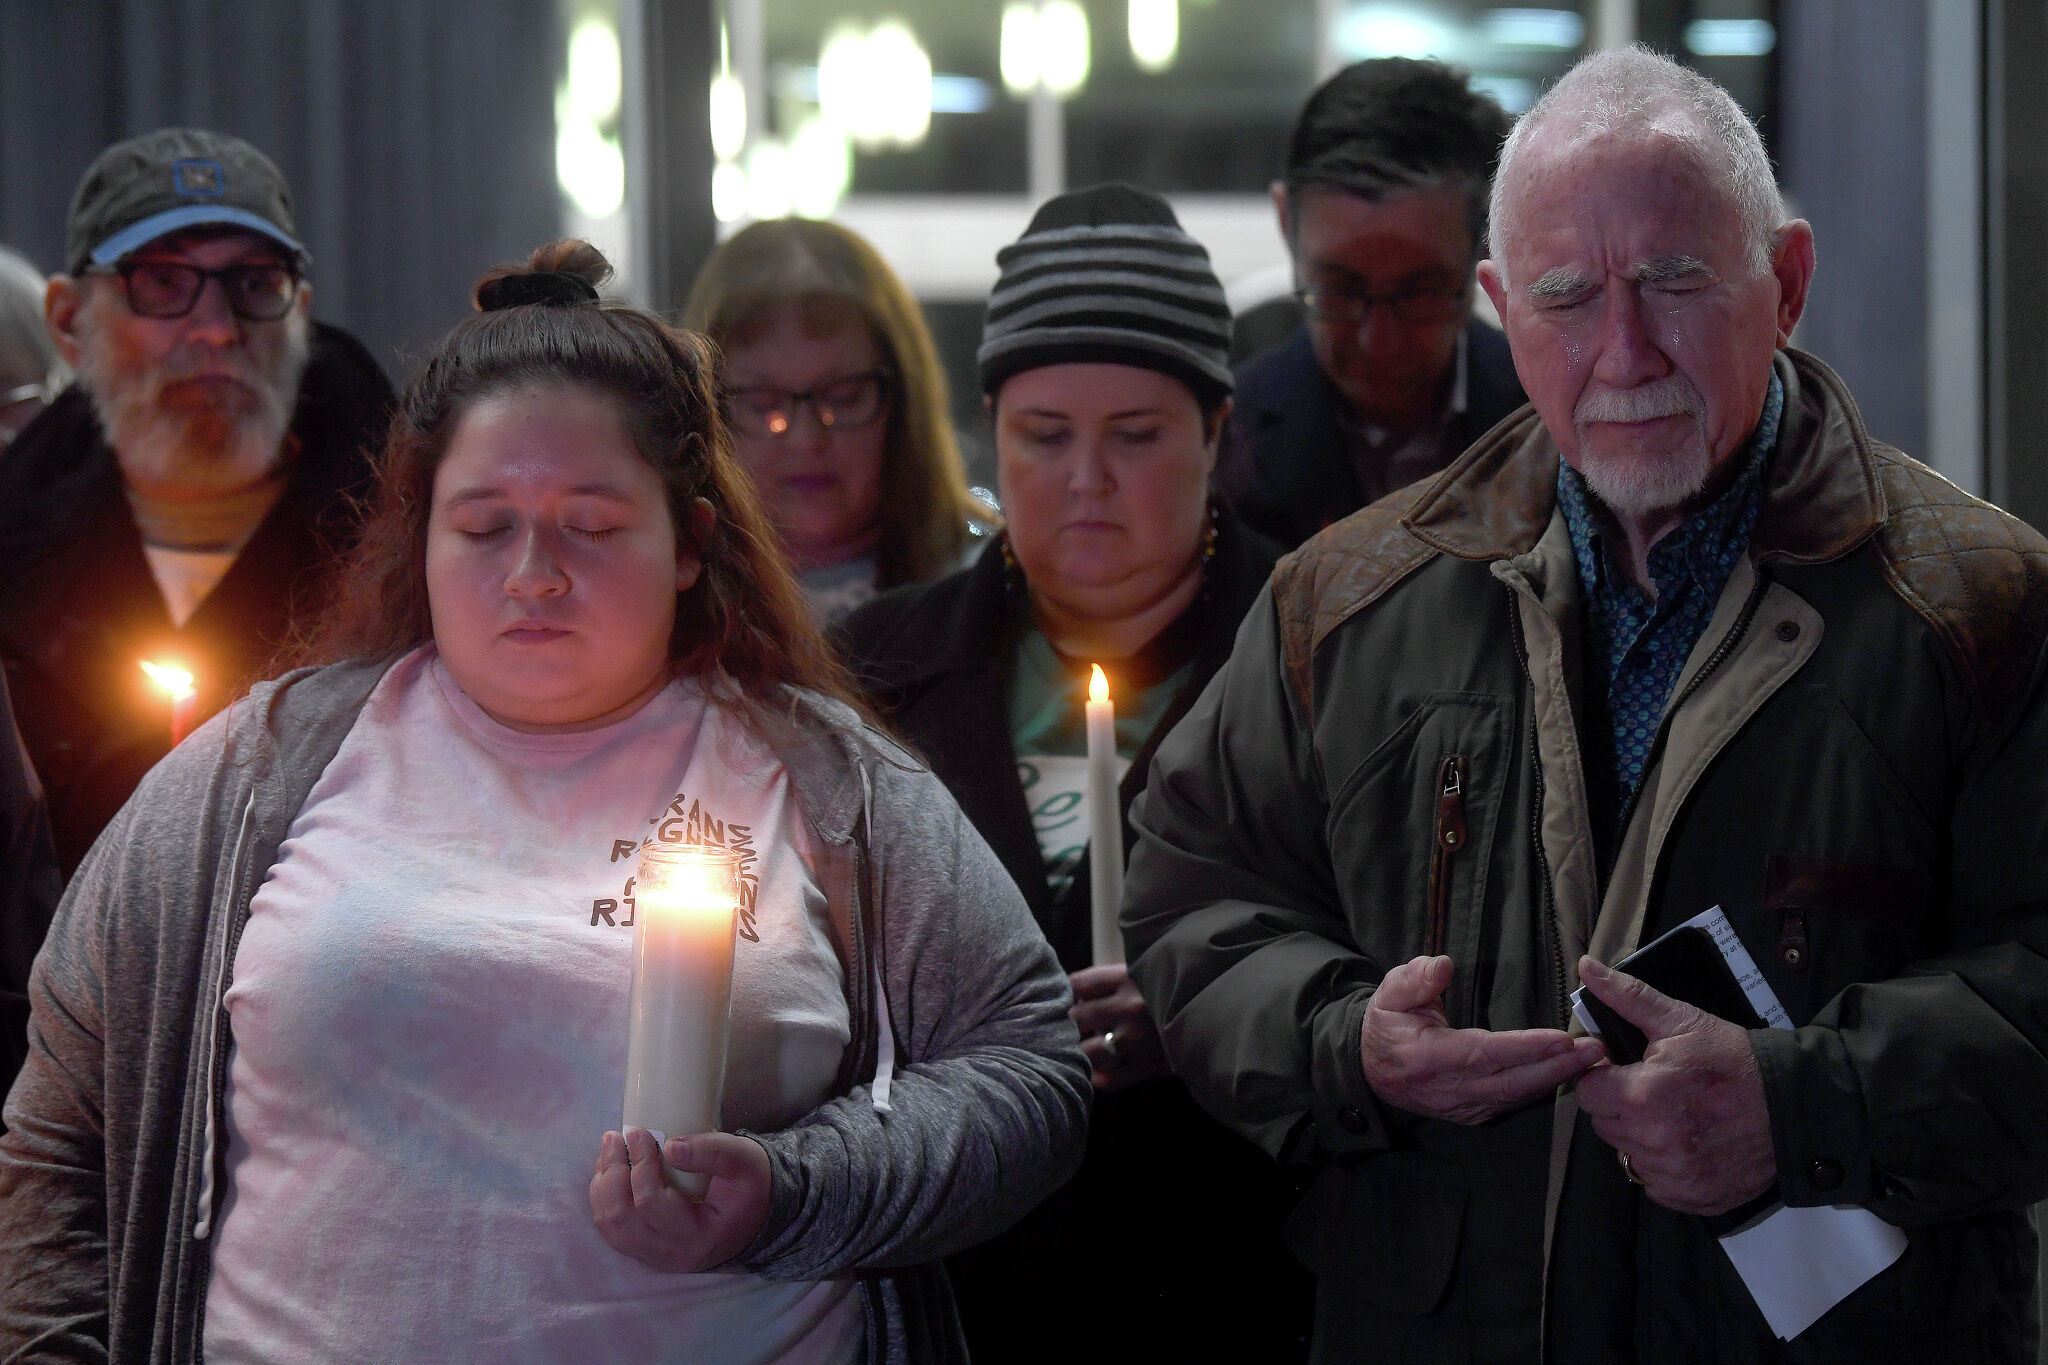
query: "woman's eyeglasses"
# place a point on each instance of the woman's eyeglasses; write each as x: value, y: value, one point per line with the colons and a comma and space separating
x: 842, y: 404
x: 169, y: 289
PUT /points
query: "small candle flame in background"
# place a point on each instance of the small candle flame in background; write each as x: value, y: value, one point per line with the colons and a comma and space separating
x: 1098, y: 684
x: 177, y: 684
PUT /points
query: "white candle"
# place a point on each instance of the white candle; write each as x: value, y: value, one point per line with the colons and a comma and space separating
x: 686, y: 909
x: 1105, y: 822
x: 182, y: 688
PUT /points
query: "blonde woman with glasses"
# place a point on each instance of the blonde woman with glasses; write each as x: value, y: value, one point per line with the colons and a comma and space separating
x: 838, y: 410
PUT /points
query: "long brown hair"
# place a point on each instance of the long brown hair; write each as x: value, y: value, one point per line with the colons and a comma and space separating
x: 744, y: 627
x: 817, y: 266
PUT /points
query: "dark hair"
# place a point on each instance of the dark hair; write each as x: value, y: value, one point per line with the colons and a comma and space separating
x: 836, y: 279
x: 744, y: 627
x: 1393, y: 123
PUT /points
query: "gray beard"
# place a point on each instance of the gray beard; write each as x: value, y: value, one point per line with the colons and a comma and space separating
x: 199, y: 454
x: 1641, y: 488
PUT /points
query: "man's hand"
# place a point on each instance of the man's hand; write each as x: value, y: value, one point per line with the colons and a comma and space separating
x: 1414, y: 1060
x: 1690, y: 1116
x: 1117, y: 1035
x: 639, y: 1213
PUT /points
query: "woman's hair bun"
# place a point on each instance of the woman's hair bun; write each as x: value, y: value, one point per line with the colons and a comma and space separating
x: 565, y: 273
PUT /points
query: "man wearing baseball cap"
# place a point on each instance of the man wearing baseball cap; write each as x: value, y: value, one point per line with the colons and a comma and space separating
x: 183, y: 502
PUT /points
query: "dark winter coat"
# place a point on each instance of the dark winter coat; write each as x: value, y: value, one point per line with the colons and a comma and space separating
x: 1854, y: 766
x: 1167, y: 1244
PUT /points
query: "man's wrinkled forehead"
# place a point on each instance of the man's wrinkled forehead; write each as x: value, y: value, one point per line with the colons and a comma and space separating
x: 1643, y: 183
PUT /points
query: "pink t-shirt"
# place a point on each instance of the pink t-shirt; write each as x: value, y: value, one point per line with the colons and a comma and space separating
x: 429, y: 1013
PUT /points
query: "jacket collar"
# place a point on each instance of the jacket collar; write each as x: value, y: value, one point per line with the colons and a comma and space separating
x: 1820, y: 498
x: 967, y: 617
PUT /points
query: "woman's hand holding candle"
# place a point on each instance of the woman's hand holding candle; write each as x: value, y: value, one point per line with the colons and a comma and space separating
x: 639, y: 1212
x: 1117, y: 1033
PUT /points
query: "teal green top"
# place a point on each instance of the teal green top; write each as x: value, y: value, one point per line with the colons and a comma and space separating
x: 1049, y: 732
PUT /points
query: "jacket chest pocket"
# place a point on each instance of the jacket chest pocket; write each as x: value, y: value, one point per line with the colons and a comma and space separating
x: 1412, y: 833
x: 1839, y: 921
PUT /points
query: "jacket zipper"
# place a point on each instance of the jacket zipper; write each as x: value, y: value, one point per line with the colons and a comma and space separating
x: 1553, y: 935
x: 1445, y: 845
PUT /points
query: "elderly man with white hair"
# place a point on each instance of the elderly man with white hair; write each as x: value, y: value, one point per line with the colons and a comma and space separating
x: 1682, y: 637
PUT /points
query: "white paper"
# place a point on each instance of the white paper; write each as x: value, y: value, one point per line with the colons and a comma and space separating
x: 1796, y: 1263
x: 1799, y: 1263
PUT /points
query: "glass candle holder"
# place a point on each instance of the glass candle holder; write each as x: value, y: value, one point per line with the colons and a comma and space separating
x: 686, y: 913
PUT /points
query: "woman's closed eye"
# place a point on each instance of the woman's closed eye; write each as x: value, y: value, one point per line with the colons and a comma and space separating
x: 1046, y: 438
x: 1137, y: 436
x: 483, y: 530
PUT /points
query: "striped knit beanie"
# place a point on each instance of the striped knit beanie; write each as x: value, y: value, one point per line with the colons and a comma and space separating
x: 1105, y: 275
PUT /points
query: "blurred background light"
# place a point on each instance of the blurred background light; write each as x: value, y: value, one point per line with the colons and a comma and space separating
x: 729, y: 192
x: 1017, y: 49
x: 596, y: 77
x: 1044, y: 46
x: 1730, y: 37
x: 728, y: 116
x: 820, y: 165
x: 1063, y: 47
x: 589, y: 166
x: 1392, y: 31
x: 771, y: 192
x: 1548, y: 28
x: 875, y: 85
x: 1512, y: 93
x: 1155, y: 33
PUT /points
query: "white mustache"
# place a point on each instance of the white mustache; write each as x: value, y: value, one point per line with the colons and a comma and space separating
x: 1671, y: 396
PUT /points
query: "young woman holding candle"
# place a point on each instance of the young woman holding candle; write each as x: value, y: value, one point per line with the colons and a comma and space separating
x: 838, y: 409
x: 332, y: 1024
x: 1105, y: 364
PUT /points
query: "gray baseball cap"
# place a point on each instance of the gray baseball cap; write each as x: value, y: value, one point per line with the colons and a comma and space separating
x: 169, y: 180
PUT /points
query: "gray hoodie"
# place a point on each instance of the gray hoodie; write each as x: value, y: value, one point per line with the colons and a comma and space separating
x: 949, y: 1123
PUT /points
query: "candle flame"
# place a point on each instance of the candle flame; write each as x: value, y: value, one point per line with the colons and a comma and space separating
x: 687, y: 877
x: 1098, y: 684
x: 176, y: 682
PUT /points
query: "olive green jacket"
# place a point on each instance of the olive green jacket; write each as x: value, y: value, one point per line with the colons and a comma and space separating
x: 1854, y: 765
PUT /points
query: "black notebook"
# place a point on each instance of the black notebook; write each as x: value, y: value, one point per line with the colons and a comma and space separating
x: 1685, y: 964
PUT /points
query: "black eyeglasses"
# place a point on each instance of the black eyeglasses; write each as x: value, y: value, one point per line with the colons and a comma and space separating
x: 844, y: 404
x: 169, y: 289
x: 1417, y: 305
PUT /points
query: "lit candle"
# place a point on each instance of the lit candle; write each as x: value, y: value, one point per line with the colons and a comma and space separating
x: 686, y: 910
x: 1105, y: 822
x: 179, y: 686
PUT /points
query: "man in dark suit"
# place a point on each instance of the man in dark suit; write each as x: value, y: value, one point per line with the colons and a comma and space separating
x: 1383, y: 205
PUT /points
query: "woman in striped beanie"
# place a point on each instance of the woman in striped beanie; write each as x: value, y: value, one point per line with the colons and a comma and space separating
x: 1105, y: 364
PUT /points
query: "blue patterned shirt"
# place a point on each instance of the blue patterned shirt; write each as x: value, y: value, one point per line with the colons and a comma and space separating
x: 1636, y: 648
